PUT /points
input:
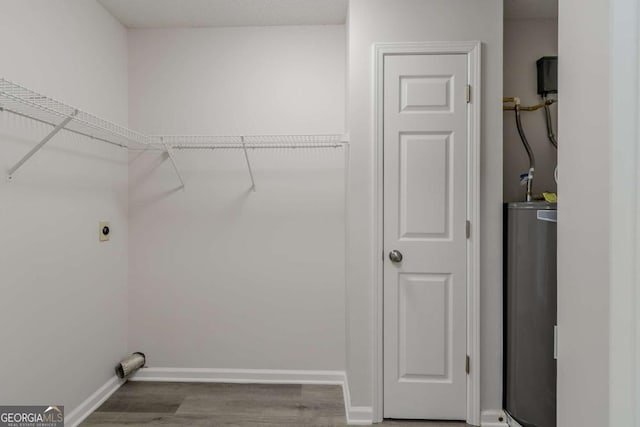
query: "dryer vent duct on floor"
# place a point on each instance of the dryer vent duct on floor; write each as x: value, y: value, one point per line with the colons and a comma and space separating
x: 131, y: 364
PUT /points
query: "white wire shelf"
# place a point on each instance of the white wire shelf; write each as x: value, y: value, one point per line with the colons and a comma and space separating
x: 27, y: 103
x: 24, y: 102
x: 204, y: 142
x: 169, y: 143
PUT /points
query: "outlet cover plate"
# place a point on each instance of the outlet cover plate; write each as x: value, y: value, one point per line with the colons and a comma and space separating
x: 104, y: 231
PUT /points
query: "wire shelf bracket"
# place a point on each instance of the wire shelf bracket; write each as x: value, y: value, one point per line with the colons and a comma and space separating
x: 41, y: 144
x: 169, y: 152
x: 246, y: 157
x: 24, y: 102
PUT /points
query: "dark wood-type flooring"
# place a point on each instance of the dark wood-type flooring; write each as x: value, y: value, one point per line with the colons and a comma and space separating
x: 221, y: 404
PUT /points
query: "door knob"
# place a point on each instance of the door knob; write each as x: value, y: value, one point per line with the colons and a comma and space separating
x: 395, y: 255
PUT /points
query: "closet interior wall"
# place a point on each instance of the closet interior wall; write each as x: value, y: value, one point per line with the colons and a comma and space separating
x: 525, y: 41
x: 63, y: 304
x: 222, y: 277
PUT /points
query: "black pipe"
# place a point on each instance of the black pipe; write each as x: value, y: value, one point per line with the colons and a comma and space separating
x: 550, y: 134
x: 527, y: 147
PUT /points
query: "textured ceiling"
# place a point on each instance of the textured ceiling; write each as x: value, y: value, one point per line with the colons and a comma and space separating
x: 225, y: 13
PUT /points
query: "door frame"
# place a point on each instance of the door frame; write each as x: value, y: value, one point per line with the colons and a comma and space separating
x: 472, y: 49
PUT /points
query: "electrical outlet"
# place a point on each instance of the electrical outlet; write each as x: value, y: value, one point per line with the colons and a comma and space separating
x: 104, y: 231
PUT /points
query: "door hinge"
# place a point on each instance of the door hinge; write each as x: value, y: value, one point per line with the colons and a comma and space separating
x: 555, y: 342
x: 468, y: 94
x: 468, y: 229
x: 467, y: 366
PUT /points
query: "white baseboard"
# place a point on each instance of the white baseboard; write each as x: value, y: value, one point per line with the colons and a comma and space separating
x: 261, y: 376
x: 356, y: 415
x: 92, y: 403
x: 493, y: 418
x: 359, y: 415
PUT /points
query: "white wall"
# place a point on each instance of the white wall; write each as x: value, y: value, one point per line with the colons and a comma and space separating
x: 373, y: 21
x: 525, y: 41
x: 583, y: 213
x: 624, y: 253
x: 220, y: 277
x: 63, y: 308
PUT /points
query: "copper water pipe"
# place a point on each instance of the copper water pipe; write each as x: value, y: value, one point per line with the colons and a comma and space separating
x: 516, y: 101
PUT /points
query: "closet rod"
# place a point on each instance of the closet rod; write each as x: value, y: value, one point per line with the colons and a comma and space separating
x: 248, y: 142
x: 239, y: 147
x: 255, y: 146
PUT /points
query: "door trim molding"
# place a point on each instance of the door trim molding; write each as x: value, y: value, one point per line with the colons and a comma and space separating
x: 473, y: 51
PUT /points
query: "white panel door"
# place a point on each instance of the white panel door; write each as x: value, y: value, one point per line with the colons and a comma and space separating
x: 425, y: 196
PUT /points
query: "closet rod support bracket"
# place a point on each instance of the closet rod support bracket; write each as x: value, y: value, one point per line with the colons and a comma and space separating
x: 41, y: 144
x: 246, y: 157
x: 169, y: 152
